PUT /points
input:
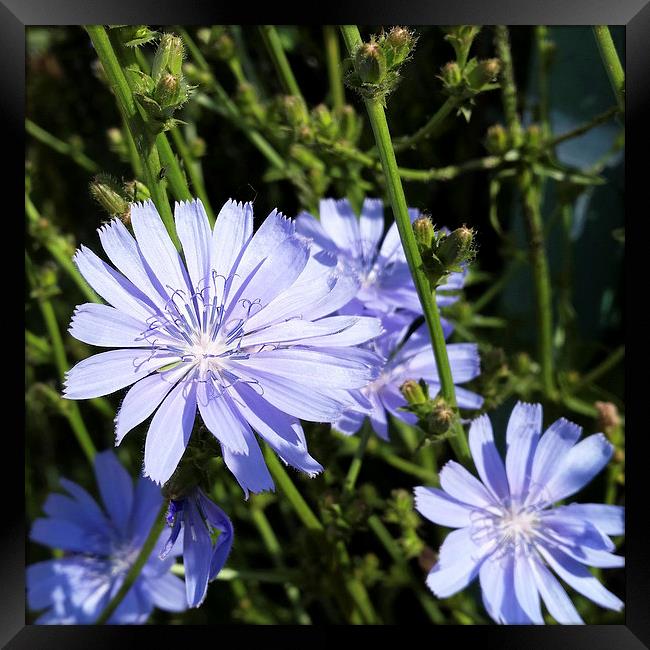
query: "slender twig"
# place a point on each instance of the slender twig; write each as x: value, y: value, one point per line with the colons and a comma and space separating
x: 601, y: 369
x: 333, y: 60
x: 430, y: 128
x: 145, y: 553
x: 611, y: 62
x: 357, y: 460
x: 59, y: 253
x: 383, y: 535
x: 601, y: 118
x: 61, y: 147
x: 144, y: 142
x: 274, y: 46
x: 69, y: 409
x: 379, y: 125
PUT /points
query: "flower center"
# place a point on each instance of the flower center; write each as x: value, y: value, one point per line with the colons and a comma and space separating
x: 507, y: 527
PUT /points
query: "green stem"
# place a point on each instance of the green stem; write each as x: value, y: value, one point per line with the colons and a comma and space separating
x: 145, y: 553
x: 611, y: 62
x: 227, y: 574
x: 508, y: 86
x: 400, y: 210
x: 70, y: 409
x: 61, y: 255
x: 274, y: 46
x: 295, y: 498
x: 357, y: 460
x: 60, y: 146
x: 145, y: 143
x: 426, y: 601
x: 193, y: 170
x: 333, y: 59
x: 275, y: 551
x: 249, y: 69
x: 429, y: 128
x: 601, y: 369
x: 601, y: 118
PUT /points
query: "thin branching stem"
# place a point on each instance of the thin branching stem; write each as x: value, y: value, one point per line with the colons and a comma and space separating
x: 612, y: 63
x: 276, y: 50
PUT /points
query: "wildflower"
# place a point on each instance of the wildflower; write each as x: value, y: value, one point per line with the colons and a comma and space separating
x: 382, y: 271
x: 238, y: 330
x: 203, y: 558
x: 509, y: 532
x: 409, y: 360
x: 100, y: 547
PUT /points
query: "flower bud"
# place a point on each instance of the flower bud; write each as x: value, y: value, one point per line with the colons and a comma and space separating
x: 107, y: 191
x: 413, y: 392
x: 441, y: 417
x: 496, y: 139
x: 169, y: 91
x: 455, y: 248
x: 484, y: 72
x: 323, y: 121
x: 293, y: 110
x: 136, y: 191
x: 533, y: 137
x: 169, y: 56
x: 349, y: 123
x: 424, y: 233
x: 608, y: 417
x: 451, y: 75
x: 370, y: 63
x: 397, y: 46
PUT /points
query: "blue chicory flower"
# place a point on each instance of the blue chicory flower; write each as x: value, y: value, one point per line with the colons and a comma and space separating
x: 238, y: 329
x: 412, y: 359
x: 380, y: 266
x: 100, y: 546
x: 203, y: 558
x: 510, y: 533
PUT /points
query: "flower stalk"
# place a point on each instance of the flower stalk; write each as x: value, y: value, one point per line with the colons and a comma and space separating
x: 145, y: 552
x: 612, y: 63
x: 427, y: 297
x: 274, y: 46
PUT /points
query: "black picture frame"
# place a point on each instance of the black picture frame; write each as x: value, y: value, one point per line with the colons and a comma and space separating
x: 15, y: 15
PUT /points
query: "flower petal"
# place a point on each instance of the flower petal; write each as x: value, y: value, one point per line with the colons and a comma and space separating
x: 250, y: 470
x: 167, y: 592
x: 341, y: 224
x: 522, y: 435
x: 440, y: 508
x: 67, y: 536
x: 281, y: 431
x: 115, y: 487
x: 487, y: 459
x: 579, y: 577
x: 232, y: 233
x: 221, y: 417
x: 158, y: 249
x: 579, y: 466
x: 144, y: 397
x: 498, y: 591
x: 553, y: 446
x: 106, y: 372
x: 526, y: 588
x: 194, y: 232
x: 146, y: 504
x: 169, y: 432
x: 371, y: 225
x: 197, y: 554
x: 557, y: 601
x: 459, y: 563
x: 112, y: 286
x: 608, y: 519
x: 308, y: 226
x: 462, y: 486
x: 125, y: 254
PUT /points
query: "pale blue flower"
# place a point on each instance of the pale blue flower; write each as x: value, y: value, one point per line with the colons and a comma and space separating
x: 510, y: 532
x: 100, y: 547
x: 380, y: 266
x: 203, y: 557
x: 238, y: 329
x: 412, y: 359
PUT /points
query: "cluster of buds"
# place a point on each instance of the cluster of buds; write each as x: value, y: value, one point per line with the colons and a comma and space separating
x: 442, y: 252
x: 116, y: 197
x: 435, y: 416
x: 498, y: 140
x: 400, y: 511
x: 166, y: 89
x: 461, y: 37
x: 377, y: 63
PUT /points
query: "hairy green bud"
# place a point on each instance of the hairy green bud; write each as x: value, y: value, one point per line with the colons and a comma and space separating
x: 455, y: 248
x: 413, y: 392
x: 397, y: 46
x: 451, y: 75
x: 483, y: 73
x: 424, y: 233
x: 496, y: 139
x: 169, y: 56
x: 108, y: 192
x: 441, y: 417
x: 370, y: 62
